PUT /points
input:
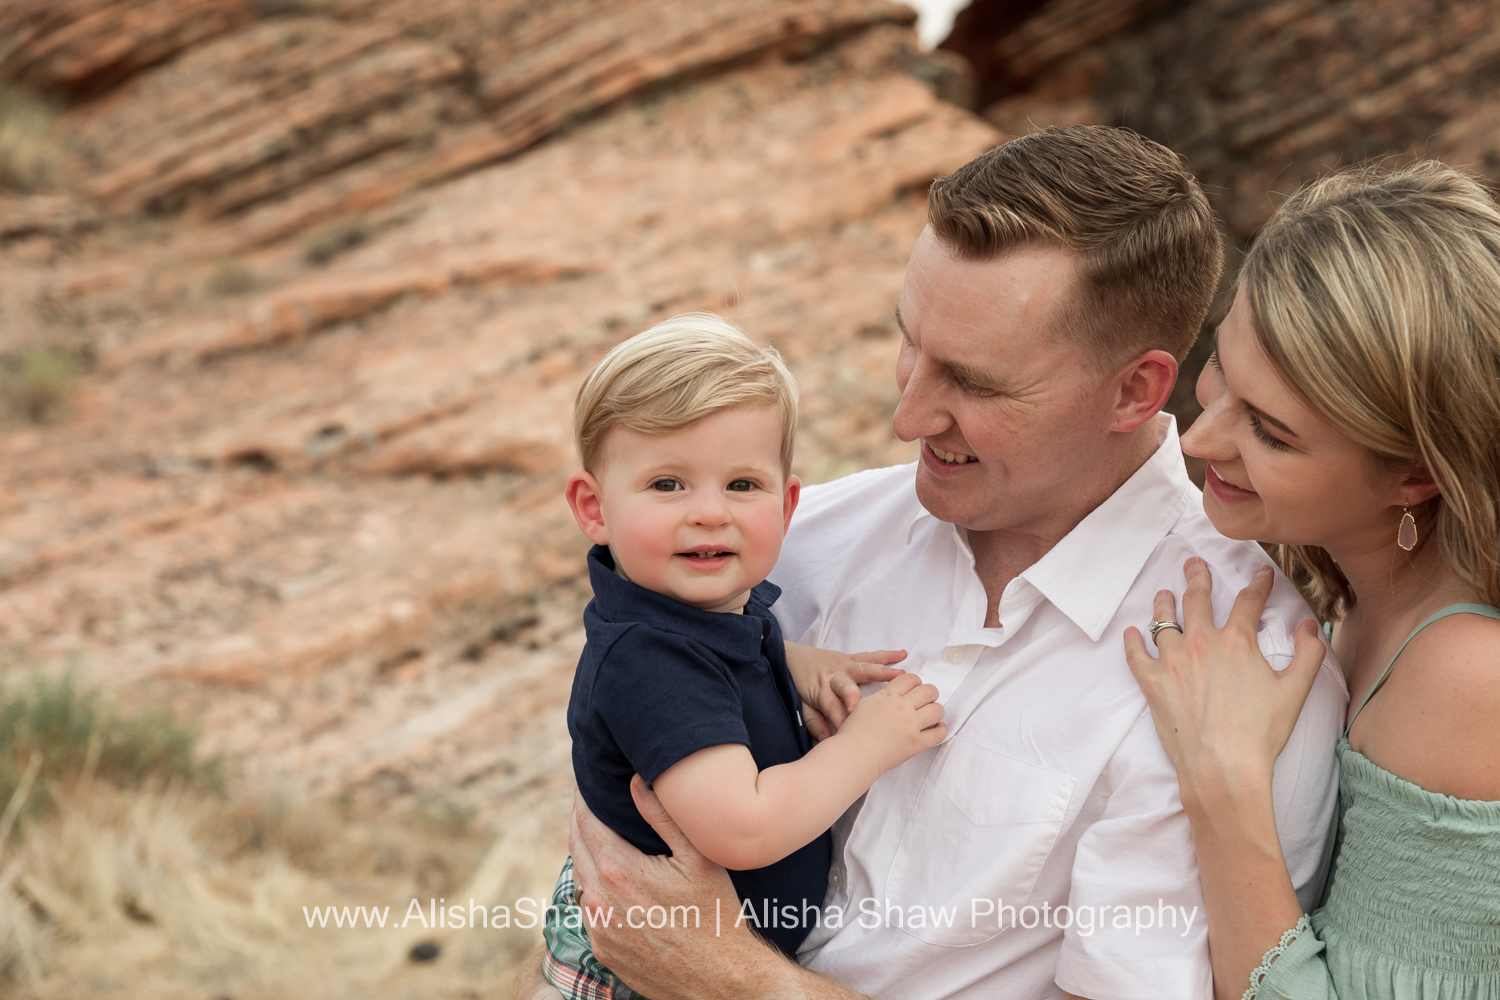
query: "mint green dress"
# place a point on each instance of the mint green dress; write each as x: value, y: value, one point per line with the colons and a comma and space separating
x: 1412, y: 907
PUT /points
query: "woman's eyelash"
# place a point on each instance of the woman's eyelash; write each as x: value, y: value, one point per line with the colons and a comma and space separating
x: 1213, y: 359
x: 1264, y: 436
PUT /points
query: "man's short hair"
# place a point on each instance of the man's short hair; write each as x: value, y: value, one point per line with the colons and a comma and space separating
x: 675, y: 374
x: 1148, y: 252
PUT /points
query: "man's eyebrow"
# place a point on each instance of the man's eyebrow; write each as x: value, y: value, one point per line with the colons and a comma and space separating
x: 966, y: 372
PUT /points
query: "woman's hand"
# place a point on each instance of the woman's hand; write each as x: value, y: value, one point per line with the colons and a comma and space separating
x: 1223, y: 714
x: 829, y: 681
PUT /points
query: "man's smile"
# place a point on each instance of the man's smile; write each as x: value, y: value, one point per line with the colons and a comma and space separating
x: 950, y: 457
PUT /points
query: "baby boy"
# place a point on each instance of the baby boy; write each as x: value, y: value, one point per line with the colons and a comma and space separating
x: 686, y: 436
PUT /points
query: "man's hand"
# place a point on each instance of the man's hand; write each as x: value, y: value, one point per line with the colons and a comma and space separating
x: 716, y: 960
x: 829, y: 681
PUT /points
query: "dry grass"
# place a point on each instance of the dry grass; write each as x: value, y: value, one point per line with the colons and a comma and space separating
x: 159, y: 887
x: 36, y: 385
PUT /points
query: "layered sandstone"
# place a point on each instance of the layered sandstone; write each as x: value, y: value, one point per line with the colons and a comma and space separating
x: 337, y: 274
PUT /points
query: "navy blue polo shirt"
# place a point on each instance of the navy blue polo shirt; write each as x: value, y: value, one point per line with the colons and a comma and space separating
x: 660, y: 680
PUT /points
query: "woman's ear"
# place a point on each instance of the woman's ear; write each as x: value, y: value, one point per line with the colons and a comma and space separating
x: 585, y: 499
x: 1417, y: 487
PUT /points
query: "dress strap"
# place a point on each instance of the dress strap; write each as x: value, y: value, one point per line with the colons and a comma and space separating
x: 1452, y: 609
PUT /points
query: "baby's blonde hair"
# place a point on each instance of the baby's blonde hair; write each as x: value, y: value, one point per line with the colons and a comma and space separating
x: 675, y: 374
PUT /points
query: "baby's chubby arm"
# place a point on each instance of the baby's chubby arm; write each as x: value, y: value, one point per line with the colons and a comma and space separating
x: 742, y: 818
x: 828, y: 681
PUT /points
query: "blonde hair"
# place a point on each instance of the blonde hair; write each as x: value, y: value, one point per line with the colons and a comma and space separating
x: 675, y: 374
x: 1377, y: 294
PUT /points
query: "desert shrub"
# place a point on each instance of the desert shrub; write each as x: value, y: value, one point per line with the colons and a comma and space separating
x: 29, y: 157
x: 35, y: 385
x: 68, y: 730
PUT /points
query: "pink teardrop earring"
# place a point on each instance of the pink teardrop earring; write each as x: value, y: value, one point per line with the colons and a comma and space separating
x: 1406, y: 535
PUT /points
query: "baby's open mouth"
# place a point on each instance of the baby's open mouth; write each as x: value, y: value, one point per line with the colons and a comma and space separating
x: 710, y: 554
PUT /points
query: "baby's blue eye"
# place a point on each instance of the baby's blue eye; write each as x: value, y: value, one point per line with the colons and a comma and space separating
x: 666, y: 485
x: 742, y: 485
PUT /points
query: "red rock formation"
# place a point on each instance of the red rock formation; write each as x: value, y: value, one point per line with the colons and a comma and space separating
x: 1259, y: 96
x: 339, y: 294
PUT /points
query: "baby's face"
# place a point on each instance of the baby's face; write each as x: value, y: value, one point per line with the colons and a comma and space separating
x: 698, y: 514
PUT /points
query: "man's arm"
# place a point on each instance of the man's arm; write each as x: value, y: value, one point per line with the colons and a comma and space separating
x: 716, y: 960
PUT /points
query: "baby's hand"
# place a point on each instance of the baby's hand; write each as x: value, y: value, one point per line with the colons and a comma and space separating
x: 829, y: 681
x: 897, y: 722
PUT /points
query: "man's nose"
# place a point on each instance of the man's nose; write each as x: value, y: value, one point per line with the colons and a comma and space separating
x: 920, y: 412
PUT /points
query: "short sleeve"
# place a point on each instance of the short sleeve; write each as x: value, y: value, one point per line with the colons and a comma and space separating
x: 663, y: 698
x: 1305, y: 786
x: 1300, y: 973
x: 1138, y: 930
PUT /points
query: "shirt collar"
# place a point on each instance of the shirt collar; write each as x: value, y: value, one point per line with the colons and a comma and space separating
x: 734, y: 637
x: 1088, y: 573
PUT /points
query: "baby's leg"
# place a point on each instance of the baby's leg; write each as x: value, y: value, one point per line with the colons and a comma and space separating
x: 570, y: 964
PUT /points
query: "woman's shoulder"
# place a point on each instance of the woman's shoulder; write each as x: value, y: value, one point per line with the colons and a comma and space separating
x: 1437, y: 724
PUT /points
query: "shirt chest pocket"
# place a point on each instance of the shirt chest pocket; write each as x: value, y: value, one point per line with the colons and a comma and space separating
x: 980, y: 830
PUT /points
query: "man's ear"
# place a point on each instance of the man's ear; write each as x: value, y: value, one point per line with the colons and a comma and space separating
x: 1417, y: 487
x: 1144, y: 389
x: 585, y: 499
x: 790, y: 494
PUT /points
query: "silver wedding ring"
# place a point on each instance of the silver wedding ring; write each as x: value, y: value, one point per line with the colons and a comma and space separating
x: 1158, y: 626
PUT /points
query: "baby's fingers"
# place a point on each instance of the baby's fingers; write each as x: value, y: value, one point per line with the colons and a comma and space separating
x: 924, y: 694
x: 832, y: 708
x: 901, y: 685
x: 934, y: 735
x: 817, y: 726
x: 929, y: 715
x: 880, y: 657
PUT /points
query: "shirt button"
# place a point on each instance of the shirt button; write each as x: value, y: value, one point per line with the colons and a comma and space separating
x: 833, y: 877
x: 955, y: 654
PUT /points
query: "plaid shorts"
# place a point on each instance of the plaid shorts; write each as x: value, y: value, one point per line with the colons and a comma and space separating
x: 570, y: 964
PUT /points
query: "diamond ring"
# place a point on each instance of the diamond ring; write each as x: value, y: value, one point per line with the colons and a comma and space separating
x: 1158, y: 626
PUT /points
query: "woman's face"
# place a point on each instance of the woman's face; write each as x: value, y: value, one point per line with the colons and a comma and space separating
x: 1277, y: 472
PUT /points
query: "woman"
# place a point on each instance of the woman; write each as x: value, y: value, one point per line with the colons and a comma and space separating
x: 1352, y: 418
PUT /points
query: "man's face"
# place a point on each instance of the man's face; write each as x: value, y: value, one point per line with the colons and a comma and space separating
x: 1009, y: 416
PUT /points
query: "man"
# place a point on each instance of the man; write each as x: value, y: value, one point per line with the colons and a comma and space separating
x: 1041, y: 850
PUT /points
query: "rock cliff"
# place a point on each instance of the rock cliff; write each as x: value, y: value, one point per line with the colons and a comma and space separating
x: 334, y: 272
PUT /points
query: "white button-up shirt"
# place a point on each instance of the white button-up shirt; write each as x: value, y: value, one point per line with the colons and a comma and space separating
x: 1042, y: 847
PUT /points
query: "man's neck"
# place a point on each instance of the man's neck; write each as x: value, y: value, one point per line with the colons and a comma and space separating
x: 1003, y: 554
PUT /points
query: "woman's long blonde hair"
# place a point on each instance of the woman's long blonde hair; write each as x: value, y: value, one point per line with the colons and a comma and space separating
x: 1377, y: 294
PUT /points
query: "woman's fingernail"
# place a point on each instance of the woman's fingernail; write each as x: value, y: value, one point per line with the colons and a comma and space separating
x: 1263, y: 571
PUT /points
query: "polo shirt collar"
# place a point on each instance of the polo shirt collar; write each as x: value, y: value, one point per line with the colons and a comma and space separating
x: 735, y: 637
x: 1088, y: 573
